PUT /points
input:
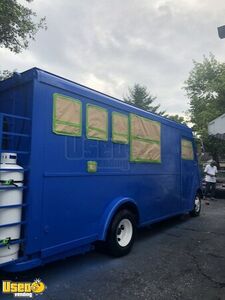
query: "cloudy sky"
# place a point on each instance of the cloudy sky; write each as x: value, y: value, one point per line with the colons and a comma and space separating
x: 110, y: 45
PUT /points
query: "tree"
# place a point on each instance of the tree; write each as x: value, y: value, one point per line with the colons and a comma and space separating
x: 141, y: 98
x: 5, y: 74
x: 17, y: 25
x: 205, y: 88
x: 177, y: 118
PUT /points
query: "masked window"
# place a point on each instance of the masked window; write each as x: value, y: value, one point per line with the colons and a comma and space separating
x: 97, y: 123
x: 120, y: 128
x: 145, y: 140
x: 67, y: 115
x: 187, y: 150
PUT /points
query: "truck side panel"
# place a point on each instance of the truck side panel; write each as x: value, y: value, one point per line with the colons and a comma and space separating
x: 74, y: 200
x: 67, y: 207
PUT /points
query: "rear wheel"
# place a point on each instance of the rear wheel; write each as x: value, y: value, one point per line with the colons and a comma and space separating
x: 121, y: 233
x: 197, y: 207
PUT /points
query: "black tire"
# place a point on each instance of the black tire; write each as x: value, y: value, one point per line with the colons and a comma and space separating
x: 113, y: 242
x: 197, y: 207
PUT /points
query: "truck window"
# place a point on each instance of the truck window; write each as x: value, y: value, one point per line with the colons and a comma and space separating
x: 145, y: 140
x: 67, y: 115
x: 120, y: 128
x: 97, y: 123
x: 187, y: 151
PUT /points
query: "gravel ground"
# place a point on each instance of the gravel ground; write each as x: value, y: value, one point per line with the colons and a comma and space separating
x: 181, y: 258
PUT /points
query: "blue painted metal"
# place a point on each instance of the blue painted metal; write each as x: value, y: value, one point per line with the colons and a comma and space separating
x: 12, y: 187
x: 67, y: 208
x: 13, y: 243
x: 13, y: 206
x: 110, y: 211
x: 12, y: 224
x: 22, y: 265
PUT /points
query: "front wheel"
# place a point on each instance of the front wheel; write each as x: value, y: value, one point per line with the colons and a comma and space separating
x: 197, y: 207
x: 121, y: 233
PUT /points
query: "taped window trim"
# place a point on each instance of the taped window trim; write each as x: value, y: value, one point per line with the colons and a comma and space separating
x: 132, y: 159
x: 146, y: 140
x: 55, y: 121
x: 145, y: 160
x: 189, y: 146
x: 68, y: 123
x: 148, y: 120
x: 97, y: 129
x: 64, y: 132
x: 115, y: 134
x: 94, y: 128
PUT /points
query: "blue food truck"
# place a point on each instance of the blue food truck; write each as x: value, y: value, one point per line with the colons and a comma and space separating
x: 80, y: 167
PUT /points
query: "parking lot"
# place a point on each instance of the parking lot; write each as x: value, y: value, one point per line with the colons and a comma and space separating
x: 182, y: 258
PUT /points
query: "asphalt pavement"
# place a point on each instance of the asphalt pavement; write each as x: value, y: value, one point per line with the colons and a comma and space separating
x: 181, y: 258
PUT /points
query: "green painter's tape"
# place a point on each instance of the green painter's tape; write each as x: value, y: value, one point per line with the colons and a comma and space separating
x: 105, y: 132
x: 5, y: 242
x: 143, y: 139
x: 117, y: 137
x: 55, y: 121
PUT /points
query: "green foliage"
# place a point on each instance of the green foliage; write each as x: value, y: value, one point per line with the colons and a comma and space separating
x: 17, y: 25
x: 205, y: 87
x: 177, y: 118
x: 141, y: 98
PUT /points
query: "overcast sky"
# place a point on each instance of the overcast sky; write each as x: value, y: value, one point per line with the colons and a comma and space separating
x: 110, y: 45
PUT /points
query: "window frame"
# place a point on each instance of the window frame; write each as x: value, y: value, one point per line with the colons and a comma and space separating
x: 146, y: 140
x: 127, y: 135
x: 107, y: 123
x: 192, y: 147
x: 68, y: 98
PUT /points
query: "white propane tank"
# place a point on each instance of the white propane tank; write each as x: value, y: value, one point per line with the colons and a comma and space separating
x: 10, y: 178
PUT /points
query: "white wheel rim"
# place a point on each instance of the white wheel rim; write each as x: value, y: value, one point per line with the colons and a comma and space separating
x: 124, y: 232
x: 197, y: 204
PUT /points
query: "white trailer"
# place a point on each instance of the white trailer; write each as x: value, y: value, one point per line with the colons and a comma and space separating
x: 217, y: 127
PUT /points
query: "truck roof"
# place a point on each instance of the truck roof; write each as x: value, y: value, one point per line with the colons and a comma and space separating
x: 54, y: 80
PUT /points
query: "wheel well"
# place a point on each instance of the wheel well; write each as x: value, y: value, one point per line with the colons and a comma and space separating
x: 131, y: 207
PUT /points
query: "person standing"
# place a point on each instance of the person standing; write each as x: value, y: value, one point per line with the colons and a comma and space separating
x: 210, y: 179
